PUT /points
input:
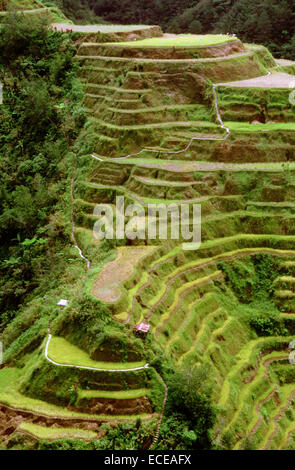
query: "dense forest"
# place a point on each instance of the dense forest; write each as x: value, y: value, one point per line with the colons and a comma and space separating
x: 40, y: 116
x: 269, y: 22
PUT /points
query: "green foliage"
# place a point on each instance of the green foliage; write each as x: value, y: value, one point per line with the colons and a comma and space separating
x: 241, y: 277
x: 251, y: 279
x: 267, y: 323
x: 80, y: 11
x: 189, y: 413
x: 40, y: 117
x: 122, y: 436
x: 285, y: 373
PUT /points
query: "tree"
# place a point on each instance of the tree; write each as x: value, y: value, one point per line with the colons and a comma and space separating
x: 189, y: 398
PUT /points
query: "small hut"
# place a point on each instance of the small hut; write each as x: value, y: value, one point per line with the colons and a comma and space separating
x: 62, y: 303
x: 142, y: 328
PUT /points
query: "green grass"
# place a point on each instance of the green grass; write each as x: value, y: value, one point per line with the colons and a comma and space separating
x: 244, y: 357
x: 204, y: 334
x: 186, y: 40
x: 117, y: 395
x: 201, y: 166
x: 246, y: 127
x: 248, y: 390
x: 160, y: 125
x: 113, y: 89
x: 10, y: 379
x: 289, y: 430
x: 193, y: 264
x: 245, y: 238
x: 42, y: 432
x: 178, y: 293
x: 195, y: 306
x: 155, y: 109
x: 256, y: 415
x: 63, y: 352
x: 285, y: 392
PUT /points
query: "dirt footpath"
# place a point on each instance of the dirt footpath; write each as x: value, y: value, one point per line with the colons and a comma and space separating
x: 274, y: 80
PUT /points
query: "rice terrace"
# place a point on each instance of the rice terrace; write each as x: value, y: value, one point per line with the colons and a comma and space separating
x: 147, y: 288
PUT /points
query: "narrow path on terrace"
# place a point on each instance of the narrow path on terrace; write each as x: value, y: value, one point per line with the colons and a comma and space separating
x: 87, y: 367
x: 175, y: 152
x: 168, y: 61
x: 273, y: 80
x: 156, y: 437
x: 99, y: 28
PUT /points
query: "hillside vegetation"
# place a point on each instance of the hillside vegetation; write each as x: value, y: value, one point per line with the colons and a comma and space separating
x: 93, y: 113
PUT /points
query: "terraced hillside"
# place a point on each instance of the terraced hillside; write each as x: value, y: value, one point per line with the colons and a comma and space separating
x: 188, y: 120
x: 30, y: 8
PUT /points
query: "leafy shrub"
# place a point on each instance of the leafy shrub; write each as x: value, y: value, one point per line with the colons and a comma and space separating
x: 268, y: 324
x: 189, y: 413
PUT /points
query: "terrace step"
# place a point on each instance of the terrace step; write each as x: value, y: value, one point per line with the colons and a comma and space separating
x: 99, y: 74
x: 236, y: 105
x: 249, y: 222
x: 62, y: 352
x: 111, y: 90
x: 287, y: 393
x: 253, y: 389
x: 16, y: 405
x: 288, y: 267
x: 168, y: 263
x: 213, y: 321
x: 122, y: 402
x: 289, y: 431
x: 272, y: 206
x: 150, y: 114
x: 92, y: 99
x: 163, y: 189
x: 159, y: 182
x: 183, y: 138
x: 138, y: 137
x: 169, y: 51
x: 284, y: 295
x: 55, y: 433
x: 257, y: 420
x: 118, y: 394
x: 195, y: 312
x: 86, y: 58
x: 285, y: 282
x: 171, y: 303
x: 178, y: 165
x: 270, y: 81
x: 242, y: 65
x: 147, y: 195
x: 161, y: 125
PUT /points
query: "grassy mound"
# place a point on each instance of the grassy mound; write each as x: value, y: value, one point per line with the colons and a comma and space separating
x: 188, y: 40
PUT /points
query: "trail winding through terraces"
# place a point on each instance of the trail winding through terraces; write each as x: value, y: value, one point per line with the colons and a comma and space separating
x: 174, y: 152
